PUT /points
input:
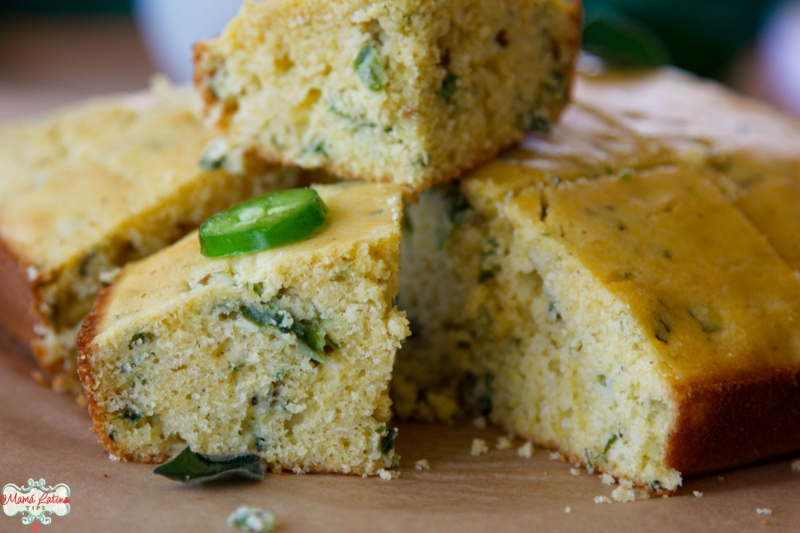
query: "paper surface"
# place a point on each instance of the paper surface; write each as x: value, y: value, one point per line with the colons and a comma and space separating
x: 44, y: 435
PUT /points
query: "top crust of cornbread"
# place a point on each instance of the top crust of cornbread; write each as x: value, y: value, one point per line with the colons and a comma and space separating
x: 442, y: 85
x: 355, y: 216
x: 752, y: 145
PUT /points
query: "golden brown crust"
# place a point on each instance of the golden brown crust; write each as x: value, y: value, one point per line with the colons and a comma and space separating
x: 18, y: 312
x: 730, y: 424
x: 84, y: 342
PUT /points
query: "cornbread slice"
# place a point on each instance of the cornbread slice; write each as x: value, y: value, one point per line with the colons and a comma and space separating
x: 411, y: 91
x: 623, y: 290
x: 639, y: 324
x: 180, y: 351
x: 91, y: 187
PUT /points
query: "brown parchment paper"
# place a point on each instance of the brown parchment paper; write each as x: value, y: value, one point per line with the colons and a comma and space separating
x: 46, y: 435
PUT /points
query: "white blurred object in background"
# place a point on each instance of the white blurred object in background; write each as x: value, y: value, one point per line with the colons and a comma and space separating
x: 169, y: 28
x: 779, y: 52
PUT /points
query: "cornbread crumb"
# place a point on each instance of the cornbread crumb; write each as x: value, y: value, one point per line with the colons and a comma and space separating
x: 479, y: 447
x: 253, y: 519
x: 764, y: 511
x: 602, y: 499
x: 526, y: 450
x: 623, y: 494
x: 665, y: 496
x: 698, y: 494
x: 444, y: 408
x: 607, y: 479
x: 81, y: 400
x: 39, y: 378
x: 422, y: 464
x: 796, y: 466
x: 480, y: 422
x: 556, y: 456
x: 575, y: 471
x: 388, y: 474
x: 628, y: 484
x: 567, y: 510
x: 504, y: 443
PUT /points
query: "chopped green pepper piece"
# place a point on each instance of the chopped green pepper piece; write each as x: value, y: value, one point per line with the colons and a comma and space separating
x: 369, y: 68
x: 131, y: 413
x: 450, y: 86
x: 387, y: 441
x: 265, y: 222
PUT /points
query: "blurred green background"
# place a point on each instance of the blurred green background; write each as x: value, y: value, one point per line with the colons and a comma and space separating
x: 699, y: 35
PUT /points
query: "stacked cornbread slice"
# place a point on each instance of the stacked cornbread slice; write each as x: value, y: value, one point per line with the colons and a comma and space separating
x: 615, y: 291
x: 89, y: 188
x: 411, y: 91
x: 285, y: 353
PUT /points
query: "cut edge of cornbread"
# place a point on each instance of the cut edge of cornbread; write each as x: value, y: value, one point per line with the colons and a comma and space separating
x: 413, y: 92
x: 198, y: 370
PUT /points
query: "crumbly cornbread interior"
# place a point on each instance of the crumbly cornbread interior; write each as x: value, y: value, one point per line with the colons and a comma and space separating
x: 411, y: 91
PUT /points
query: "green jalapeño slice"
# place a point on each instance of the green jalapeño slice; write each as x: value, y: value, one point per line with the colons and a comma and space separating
x: 265, y: 222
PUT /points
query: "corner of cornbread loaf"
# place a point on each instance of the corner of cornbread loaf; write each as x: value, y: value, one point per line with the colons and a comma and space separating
x: 93, y: 186
x: 180, y: 350
x: 414, y: 91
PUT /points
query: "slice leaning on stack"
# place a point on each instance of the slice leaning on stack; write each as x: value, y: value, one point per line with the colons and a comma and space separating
x: 614, y: 292
x: 285, y: 353
x: 413, y: 91
x: 91, y: 187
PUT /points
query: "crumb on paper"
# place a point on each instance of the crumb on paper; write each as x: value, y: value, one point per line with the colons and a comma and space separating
x: 504, y: 443
x: 698, y: 494
x: 627, y: 483
x: 623, y: 494
x: 575, y: 471
x: 112, y: 457
x: 253, y: 519
x: 526, y: 450
x: 665, y: 496
x: 567, y: 510
x: 480, y: 422
x: 602, y: 499
x: 607, y: 479
x: 479, y: 447
x: 796, y: 466
x: 764, y: 511
x: 107, y: 277
x: 81, y: 400
x: 422, y: 464
x: 40, y: 379
x: 721, y: 478
x: 388, y: 474
x: 557, y: 456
